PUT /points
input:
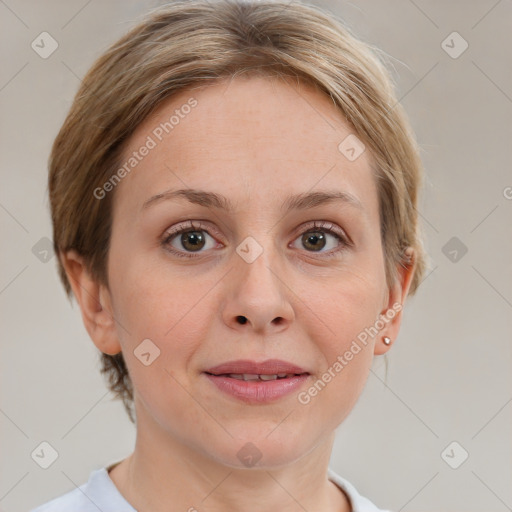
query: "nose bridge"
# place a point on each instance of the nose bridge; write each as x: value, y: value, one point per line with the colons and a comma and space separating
x: 257, y: 290
x: 259, y: 259
x: 258, y: 247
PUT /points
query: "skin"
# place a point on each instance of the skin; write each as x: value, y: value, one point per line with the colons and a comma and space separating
x: 254, y: 140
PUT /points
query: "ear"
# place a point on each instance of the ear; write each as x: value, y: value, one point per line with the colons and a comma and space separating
x: 95, y: 303
x: 397, y: 294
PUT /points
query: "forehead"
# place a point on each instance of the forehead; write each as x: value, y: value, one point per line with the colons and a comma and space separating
x: 251, y: 139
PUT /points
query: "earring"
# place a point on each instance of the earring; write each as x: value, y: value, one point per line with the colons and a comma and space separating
x: 387, y: 341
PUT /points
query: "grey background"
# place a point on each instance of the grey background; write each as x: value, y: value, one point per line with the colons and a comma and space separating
x: 449, y: 375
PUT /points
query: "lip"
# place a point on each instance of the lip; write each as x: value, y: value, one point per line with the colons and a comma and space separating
x: 268, y: 367
x: 257, y: 391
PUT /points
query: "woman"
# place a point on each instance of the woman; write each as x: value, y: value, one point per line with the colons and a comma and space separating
x: 233, y: 195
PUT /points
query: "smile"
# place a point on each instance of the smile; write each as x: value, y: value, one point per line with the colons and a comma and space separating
x: 251, y: 376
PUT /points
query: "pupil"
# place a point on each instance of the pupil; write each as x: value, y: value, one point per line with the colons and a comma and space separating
x: 192, y: 238
x: 313, y: 239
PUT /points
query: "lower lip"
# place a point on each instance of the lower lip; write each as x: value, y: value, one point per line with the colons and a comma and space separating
x: 258, y: 391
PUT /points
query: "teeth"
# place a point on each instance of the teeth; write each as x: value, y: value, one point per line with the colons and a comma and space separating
x: 252, y: 376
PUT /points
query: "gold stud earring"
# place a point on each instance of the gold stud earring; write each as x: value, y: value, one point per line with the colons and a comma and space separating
x: 387, y: 341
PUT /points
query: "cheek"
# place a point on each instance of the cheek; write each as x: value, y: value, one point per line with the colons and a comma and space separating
x: 340, y: 317
x: 346, y: 353
x: 171, y: 311
x: 173, y: 314
x: 147, y: 300
x: 343, y: 307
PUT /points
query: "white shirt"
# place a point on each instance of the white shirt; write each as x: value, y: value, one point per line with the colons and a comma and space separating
x: 99, y: 494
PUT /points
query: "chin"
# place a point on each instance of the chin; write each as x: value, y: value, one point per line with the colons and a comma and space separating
x: 249, y: 449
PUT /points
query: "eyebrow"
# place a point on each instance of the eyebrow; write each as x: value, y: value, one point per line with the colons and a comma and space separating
x: 294, y: 202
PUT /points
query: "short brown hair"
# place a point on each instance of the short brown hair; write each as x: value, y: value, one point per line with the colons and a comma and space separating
x: 192, y: 42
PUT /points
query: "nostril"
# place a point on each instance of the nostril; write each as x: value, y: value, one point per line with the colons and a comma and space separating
x: 241, y: 319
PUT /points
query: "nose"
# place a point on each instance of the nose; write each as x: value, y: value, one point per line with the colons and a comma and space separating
x: 258, y: 298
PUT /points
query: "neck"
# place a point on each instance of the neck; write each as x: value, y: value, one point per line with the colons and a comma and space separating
x: 163, y: 471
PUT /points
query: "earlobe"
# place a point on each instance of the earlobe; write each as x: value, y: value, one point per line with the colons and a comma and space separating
x: 392, y: 314
x: 94, y: 301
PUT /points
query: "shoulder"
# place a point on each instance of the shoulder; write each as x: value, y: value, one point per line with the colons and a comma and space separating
x: 98, y: 493
x: 359, y: 503
x: 73, y: 500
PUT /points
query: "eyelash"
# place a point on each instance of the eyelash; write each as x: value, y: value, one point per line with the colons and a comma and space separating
x: 322, y: 226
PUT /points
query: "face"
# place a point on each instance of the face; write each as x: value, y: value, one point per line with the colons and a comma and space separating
x: 273, y: 277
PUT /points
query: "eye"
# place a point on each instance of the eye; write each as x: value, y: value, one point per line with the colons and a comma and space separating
x: 187, y: 239
x: 193, y: 239
x: 315, y: 238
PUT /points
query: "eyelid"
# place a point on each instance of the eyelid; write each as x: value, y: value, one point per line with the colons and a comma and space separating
x: 326, y: 226
x: 191, y: 225
x: 198, y: 225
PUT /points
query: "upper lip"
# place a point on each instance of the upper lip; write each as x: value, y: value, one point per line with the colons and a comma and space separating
x: 268, y: 367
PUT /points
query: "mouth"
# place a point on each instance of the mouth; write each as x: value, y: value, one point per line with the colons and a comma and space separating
x: 254, y: 376
x: 257, y: 383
